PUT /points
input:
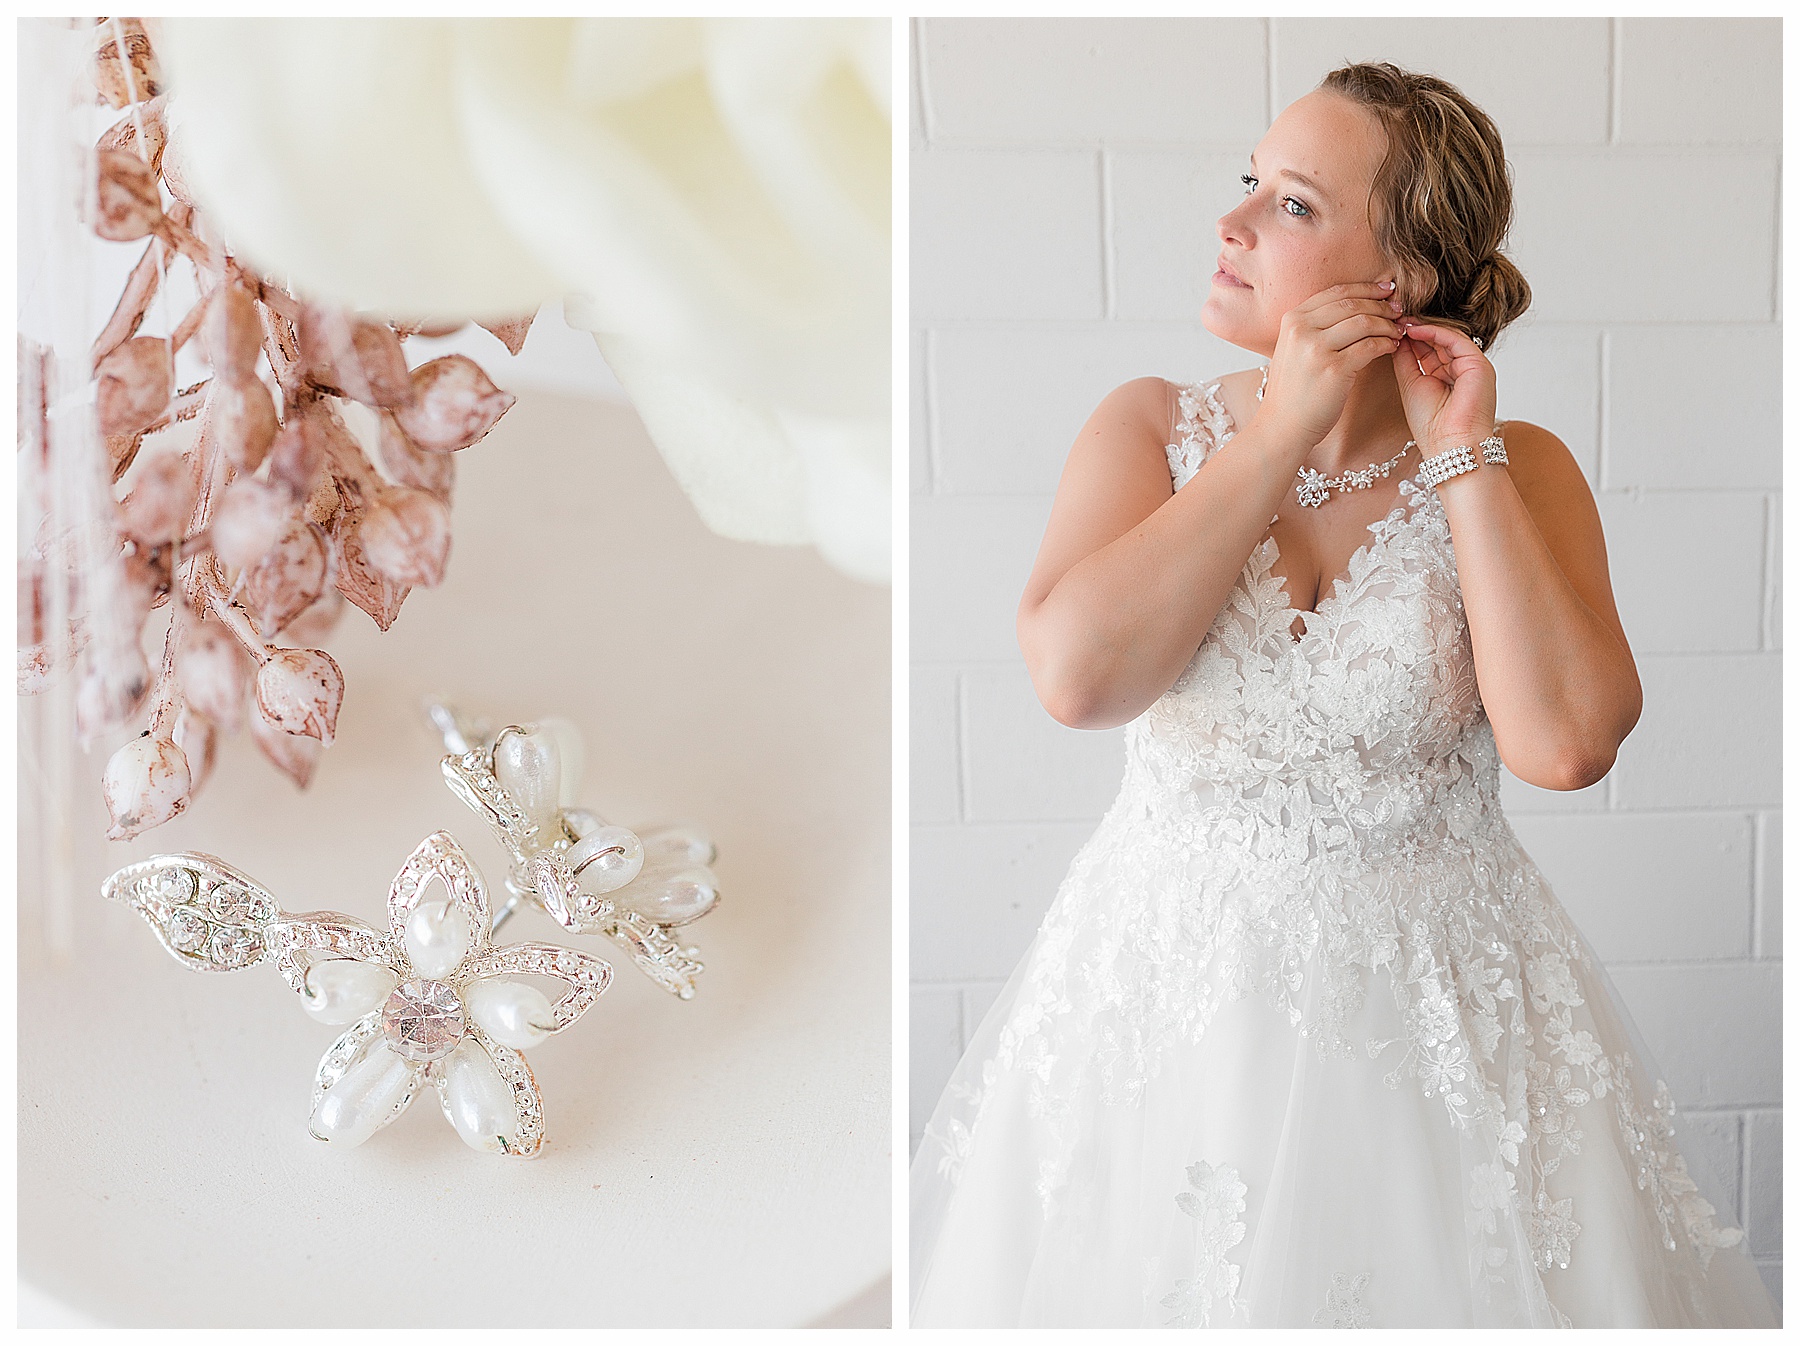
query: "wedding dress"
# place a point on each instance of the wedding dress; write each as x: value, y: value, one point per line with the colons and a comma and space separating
x: 1305, y: 1038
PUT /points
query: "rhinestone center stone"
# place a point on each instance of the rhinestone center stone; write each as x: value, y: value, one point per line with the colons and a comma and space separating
x: 423, y: 1020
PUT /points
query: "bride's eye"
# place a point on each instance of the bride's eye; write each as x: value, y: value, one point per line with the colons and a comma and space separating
x: 1299, y: 211
x: 1249, y: 181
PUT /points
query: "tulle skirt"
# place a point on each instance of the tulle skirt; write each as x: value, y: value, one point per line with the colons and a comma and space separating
x: 1299, y: 1159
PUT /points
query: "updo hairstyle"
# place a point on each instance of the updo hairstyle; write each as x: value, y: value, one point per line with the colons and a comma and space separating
x: 1442, y: 199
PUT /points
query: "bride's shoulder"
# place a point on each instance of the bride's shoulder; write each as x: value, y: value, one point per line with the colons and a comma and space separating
x: 1540, y: 464
x: 1177, y: 410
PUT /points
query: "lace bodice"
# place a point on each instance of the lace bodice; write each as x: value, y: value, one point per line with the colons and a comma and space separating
x: 1362, y: 738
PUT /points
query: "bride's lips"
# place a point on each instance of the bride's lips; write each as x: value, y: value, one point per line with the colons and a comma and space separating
x: 1224, y: 276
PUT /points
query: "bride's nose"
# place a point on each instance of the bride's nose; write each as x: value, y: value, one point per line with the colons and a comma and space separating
x: 1234, y: 226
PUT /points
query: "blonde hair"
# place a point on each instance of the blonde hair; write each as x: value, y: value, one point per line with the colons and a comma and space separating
x: 1442, y: 198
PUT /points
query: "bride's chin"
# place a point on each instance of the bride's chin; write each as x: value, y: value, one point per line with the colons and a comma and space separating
x: 1237, y: 332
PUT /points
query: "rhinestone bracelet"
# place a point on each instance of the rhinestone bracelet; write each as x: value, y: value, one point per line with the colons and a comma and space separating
x: 1454, y: 462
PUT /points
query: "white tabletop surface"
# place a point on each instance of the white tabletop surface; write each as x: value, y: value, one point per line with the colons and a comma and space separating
x: 721, y: 1161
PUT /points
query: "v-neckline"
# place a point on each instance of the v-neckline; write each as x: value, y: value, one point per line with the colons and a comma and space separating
x: 1328, y: 594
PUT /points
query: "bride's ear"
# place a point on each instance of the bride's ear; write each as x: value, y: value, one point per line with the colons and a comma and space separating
x: 1414, y: 287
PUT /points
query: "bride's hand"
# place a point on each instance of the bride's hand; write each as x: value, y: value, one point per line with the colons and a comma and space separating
x: 1447, y: 386
x: 1325, y: 342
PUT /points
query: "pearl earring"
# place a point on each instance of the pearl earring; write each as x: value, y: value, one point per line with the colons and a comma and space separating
x: 430, y: 999
x: 589, y: 876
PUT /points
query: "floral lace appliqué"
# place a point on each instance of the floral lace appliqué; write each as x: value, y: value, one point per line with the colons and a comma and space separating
x: 1344, y: 1302
x: 1214, y: 1204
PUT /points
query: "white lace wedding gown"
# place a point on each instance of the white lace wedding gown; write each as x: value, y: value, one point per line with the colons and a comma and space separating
x: 1305, y: 1038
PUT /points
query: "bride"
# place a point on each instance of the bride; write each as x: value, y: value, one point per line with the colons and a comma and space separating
x: 1305, y: 1038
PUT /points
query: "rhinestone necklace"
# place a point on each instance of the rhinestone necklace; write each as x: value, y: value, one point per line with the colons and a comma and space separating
x: 1315, y: 489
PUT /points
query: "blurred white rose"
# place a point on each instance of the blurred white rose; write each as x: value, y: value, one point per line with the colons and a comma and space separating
x: 709, y: 196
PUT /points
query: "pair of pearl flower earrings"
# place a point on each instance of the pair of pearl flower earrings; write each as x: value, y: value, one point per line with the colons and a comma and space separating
x: 432, y: 999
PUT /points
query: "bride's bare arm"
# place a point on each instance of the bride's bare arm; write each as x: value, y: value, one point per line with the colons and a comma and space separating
x: 1556, y: 674
x: 1131, y: 572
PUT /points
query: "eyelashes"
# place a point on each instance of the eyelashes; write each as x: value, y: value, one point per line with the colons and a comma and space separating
x: 1300, y: 209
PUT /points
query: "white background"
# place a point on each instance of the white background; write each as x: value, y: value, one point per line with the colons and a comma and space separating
x: 1066, y: 177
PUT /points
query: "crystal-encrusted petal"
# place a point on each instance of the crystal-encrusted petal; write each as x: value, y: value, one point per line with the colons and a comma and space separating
x: 440, y: 857
x: 209, y: 916
x: 297, y: 941
x: 585, y: 975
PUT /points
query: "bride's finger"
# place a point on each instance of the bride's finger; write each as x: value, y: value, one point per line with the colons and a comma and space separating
x: 1452, y: 344
x: 1346, y: 332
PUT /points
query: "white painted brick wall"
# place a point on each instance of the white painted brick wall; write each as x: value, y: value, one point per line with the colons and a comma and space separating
x: 1066, y: 179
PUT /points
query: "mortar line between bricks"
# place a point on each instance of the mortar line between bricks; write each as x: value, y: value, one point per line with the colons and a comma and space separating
x: 1615, y: 85
x: 1269, y: 71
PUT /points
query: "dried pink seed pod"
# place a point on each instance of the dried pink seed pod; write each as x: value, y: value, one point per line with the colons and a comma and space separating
x: 318, y: 621
x: 242, y: 417
x: 359, y: 358
x: 512, y: 332
x: 111, y: 692
x: 146, y: 783
x: 198, y: 740
x: 233, y: 334
x: 359, y: 581
x: 297, y: 456
x: 173, y: 167
x: 138, y: 77
x: 161, y: 500
x: 122, y: 135
x: 136, y: 381
x: 248, y: 519
x: 454, y: 404
x: 295, y: 754
x: 127, y: 204
x: 408, y: 465
x: 122, y: 451
x: 288, y: 578
x: 148, y: 575
x: 214, y: 672
x: 300, y: 692
x: 406, y: 536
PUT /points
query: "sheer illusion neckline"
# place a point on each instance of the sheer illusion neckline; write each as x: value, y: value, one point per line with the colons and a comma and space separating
x: 1330, y: 599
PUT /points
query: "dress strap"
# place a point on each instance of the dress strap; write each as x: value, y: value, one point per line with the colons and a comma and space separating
x: 1204, y: 425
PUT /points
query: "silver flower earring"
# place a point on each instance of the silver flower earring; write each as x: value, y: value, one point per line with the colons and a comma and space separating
x: 635, y: 888
x: 429, y: 1000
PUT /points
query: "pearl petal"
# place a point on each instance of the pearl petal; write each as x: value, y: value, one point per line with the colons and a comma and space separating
x: 674, y: 898
x: 513, y: 1013
x: 606, y: 859
x: 355, y: 1107
x: 478, y: 1101
x: 569, y: 752
x: 684, y: 845
x: 529, y: 767
x: 342, y: 990
x: 437, y: 938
